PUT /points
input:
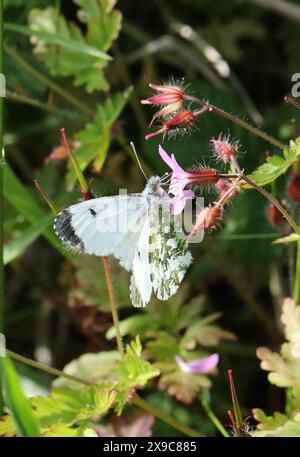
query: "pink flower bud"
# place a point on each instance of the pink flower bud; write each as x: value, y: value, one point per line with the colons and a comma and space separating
x: 183, y: 120
x: 224, y: 150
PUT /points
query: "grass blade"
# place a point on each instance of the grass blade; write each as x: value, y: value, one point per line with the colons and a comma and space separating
x: 15, y: 399
x: 16, y: 247
x: 51, y: 38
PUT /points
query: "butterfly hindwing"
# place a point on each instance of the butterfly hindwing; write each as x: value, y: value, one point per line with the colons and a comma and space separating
x: 169, y: 258
x: 141, y: 286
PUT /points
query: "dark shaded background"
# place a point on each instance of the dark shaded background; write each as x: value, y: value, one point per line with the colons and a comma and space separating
x: 262, y: 50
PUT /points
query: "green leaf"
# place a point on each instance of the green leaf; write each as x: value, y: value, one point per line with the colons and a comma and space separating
x: 92, y: 367
x: 95, y: 138
x: 278, y: 425
x: 183, y: 386
x: 7, y: 426
x: 15, y: 399
x: 276, y: 165
x: 285, y: 367
x: 17, y: 246
x: 94, y: 9
x: 133, y: 325
x: 206, y: 335
x: 134, y: 372
x: 68, y: 407
x: 103, y: 25
x: 51, y: 38
x: 292, y: 238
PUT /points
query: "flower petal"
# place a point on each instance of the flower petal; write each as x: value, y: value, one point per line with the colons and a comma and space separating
x: 166, y: 158
x: 188, y: 194
x: 204, y: 365
x: 178, y: 205
x: 182, y: 364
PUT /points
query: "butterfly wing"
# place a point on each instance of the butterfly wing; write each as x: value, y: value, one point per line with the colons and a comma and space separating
x: 169, y: 256
x: 141, y: 286
x: 104, y: 226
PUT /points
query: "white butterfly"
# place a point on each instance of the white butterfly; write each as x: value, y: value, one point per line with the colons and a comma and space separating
x: 139, y: 230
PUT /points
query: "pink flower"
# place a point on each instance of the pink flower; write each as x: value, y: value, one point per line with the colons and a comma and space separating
x: 179, y: 180
x: 202, y: 365
x: 170, y: 97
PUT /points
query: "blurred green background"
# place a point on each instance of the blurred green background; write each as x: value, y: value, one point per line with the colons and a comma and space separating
x: 238, y: 55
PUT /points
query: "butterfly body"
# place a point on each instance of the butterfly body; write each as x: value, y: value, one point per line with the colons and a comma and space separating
x: 139, y: 230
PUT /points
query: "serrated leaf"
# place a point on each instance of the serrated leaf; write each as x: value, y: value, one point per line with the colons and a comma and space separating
x: 91, y: 367
x: 278, y: 425
x: 285, y: 367
x: 133, y: 369
x: 206, y: 335
x: 68, y: 407
x: 7, y: 426
x: 62, y: 431
x: 276, y: 165
x: 52, y: 32
x: 133, y: 372
x: 133, y: 325
x: 96, y: 136
x: 290, y: 318
x: 183, y: 386
x: 284, y: 372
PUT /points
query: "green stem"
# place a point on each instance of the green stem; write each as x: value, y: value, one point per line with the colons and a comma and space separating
x: 141, y: 403
x: 43, y: 106
x: 213, y: 417
x: 236, y: 120
x: 1, y: 176
x: 45, y: 368
x: 1, y: 195
x: 114, y: 310
x: 79, y: 174
x: 297, y: 276
x: 274, y: 201
x: 47, y: 82
x: 185, y: 429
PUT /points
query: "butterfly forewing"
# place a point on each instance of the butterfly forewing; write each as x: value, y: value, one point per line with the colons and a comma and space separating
x: 104, y: 226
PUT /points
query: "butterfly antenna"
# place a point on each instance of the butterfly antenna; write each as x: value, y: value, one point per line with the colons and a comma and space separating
x: 138, y: 160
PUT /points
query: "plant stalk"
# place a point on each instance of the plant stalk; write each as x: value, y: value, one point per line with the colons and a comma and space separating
x: 43, y: 106
x: 113, y: 305
x: 274, y: 201
x: 236, y: 120
x: 213, y: 417
x: 1, y: 193
x: 297, y: 276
